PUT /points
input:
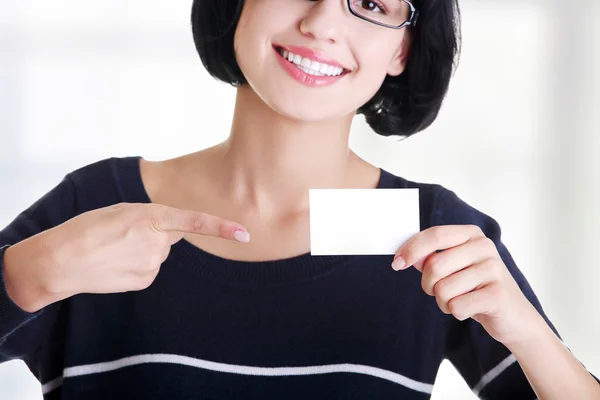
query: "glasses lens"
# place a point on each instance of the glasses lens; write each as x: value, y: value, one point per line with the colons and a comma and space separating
x: 389, y: 12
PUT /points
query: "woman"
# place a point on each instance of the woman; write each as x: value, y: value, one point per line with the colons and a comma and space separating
x: 119, y: 284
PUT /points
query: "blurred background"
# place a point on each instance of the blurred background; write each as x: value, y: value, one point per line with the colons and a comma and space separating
x: 517, y: 137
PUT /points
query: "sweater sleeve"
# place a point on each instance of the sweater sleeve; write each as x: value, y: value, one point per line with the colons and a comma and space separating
x: 487, y: 366
x: 21, y: 332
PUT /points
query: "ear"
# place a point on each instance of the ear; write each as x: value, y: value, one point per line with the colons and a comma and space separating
x: 398, y: 63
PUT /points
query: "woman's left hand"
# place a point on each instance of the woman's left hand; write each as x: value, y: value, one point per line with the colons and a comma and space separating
x: 470, y: 280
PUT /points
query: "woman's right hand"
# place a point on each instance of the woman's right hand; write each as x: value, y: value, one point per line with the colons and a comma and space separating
x: 114, y: 249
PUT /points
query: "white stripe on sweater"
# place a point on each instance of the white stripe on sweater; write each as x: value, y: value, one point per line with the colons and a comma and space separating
x: 498, y: 369
x: 493, y: 373
x: 88, y: 369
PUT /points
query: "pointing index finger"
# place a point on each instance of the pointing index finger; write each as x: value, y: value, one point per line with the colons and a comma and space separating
x: 171, y: 219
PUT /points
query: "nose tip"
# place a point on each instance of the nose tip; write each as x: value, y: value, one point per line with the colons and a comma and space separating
x: 322, y: 22
x: 324, y: 33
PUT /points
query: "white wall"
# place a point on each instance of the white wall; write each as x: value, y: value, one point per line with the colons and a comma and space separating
x: 517, y: 137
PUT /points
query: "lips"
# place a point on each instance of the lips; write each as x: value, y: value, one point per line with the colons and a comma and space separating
x: 311, y: 54
x: 319, y: 69
x: 298, y: 74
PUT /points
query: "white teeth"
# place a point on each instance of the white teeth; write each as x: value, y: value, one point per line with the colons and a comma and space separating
x: 311, y: 67
x: 310, y: 71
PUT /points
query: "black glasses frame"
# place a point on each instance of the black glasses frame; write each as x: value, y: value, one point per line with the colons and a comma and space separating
x: 412, y: 20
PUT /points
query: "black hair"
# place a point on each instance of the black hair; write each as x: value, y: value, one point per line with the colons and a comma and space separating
x: 404, y: 105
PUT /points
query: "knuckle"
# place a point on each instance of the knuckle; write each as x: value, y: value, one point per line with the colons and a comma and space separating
x: 455, y: 309
x: 496, y: 270
x: 197, y: 223
x: 435, y: 266
x: 441, y: 289
x: 489, y: 269
x: 225, y: 230
x: 144, y: 210
x: 443, y: 305
x: 476, y: 228
x: 489, y: 244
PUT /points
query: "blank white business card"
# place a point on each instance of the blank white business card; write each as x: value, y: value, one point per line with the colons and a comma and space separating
x: 362, y: 221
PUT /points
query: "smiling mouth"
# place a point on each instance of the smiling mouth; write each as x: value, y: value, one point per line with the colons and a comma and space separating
x: 311, y: 67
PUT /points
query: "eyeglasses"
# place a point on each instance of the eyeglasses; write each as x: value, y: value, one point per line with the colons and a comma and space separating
x: 395, y: 14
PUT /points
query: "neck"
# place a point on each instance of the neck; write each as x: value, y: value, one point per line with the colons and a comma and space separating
x: 269, y: 162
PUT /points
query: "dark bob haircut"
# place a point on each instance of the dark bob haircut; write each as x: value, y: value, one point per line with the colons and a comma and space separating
x: 404, y: 105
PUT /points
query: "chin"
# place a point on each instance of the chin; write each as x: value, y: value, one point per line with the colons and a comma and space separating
x: 284, y: 101
x: 306, y: 112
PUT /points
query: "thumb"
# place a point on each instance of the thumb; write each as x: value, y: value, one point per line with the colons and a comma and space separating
x: 174, y: 237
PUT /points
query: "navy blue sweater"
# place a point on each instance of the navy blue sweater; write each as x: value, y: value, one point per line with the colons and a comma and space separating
x: 344, y: 327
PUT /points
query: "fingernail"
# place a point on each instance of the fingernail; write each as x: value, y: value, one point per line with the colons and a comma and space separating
x: 398, y: 263
x: 241, y: 236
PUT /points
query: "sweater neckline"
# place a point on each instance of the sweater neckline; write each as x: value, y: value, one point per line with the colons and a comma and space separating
x: 212, y: 266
